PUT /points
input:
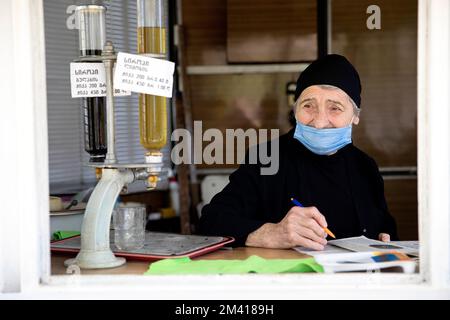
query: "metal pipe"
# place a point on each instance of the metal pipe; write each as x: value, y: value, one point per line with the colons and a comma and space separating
x: 110, y: 124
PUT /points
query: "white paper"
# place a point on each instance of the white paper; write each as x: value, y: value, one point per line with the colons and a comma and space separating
x: 360, y: 261
x: 89, y: 80
x: 329, y: 249
x: 363, y: 244
x: 412, y: 246
x: 408, y: 244
x: 142, y: 74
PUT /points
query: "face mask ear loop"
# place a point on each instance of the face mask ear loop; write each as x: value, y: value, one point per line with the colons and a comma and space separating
x: 351, y: 121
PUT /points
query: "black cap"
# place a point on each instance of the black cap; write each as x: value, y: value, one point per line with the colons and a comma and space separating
x: 334, y: 70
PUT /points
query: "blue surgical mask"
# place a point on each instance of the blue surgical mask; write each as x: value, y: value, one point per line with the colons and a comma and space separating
x: 323, y: 141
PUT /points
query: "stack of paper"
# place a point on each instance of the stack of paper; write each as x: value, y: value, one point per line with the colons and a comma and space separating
x: 363, y: 244
x: 365, y: 261
x: 363, y: 254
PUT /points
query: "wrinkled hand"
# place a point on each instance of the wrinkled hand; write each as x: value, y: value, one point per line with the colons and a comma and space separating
x: 384, y: 237
x: 300, y: 227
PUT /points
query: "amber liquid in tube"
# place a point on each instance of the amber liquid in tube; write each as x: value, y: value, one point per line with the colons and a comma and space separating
x: 152, y: 109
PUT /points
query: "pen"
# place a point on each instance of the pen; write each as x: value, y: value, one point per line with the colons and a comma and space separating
x: 325, y: 229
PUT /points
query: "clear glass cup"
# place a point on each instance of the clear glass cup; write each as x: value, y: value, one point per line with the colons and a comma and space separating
x: 129, y: 227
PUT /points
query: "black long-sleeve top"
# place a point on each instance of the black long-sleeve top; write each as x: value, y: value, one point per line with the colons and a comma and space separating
x: 346, y: 188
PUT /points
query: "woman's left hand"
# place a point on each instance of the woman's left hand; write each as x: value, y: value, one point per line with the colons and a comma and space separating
x: 384, y: 237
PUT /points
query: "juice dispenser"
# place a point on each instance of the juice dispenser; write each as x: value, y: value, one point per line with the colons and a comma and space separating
x: 91, y: 22
x: 95, y: 251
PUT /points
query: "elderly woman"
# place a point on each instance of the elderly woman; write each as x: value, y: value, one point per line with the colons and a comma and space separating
x: 338, y: 185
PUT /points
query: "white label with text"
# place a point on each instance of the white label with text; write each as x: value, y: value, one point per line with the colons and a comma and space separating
x: 89, y: 80
x: 144, y: 74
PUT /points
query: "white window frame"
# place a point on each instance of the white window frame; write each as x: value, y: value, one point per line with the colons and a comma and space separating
x: 25, y: 260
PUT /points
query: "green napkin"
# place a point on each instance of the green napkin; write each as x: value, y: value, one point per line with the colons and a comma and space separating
x: 252, y: 264
x: 59, y: 235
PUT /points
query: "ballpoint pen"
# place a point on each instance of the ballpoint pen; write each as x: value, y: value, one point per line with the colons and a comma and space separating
x: 324, y: 228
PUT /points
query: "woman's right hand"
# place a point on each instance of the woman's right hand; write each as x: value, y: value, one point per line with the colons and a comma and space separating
x: 300, y: 227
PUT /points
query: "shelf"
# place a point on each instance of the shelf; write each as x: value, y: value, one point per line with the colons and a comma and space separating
x: 386, y: 172
x: 215, y: 171
x: 396, y: 173
x: 245, y: 69
x: 402, y: 169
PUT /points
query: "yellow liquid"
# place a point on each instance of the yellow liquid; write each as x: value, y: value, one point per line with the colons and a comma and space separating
x: 151, y: 40
x: 153, y: 121
x: 152, y: 109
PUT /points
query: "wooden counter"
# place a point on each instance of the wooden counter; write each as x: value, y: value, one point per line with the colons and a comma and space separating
x: 139, y: 267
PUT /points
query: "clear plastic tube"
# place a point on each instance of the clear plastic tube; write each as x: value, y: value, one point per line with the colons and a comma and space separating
x: 91, y: 22
x: 152, y: 26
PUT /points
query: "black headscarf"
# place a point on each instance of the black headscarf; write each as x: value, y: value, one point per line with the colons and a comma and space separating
x: 332, y: 69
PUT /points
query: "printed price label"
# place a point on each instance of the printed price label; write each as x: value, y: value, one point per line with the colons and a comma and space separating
x: 89, y: 80
x: 144, y: 74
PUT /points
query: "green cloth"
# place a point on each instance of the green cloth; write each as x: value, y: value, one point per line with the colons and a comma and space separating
x: 59, y: 235
x: 252, y: 264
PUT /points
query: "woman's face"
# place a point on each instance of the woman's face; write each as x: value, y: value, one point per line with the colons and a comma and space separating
x: 325, y: 108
